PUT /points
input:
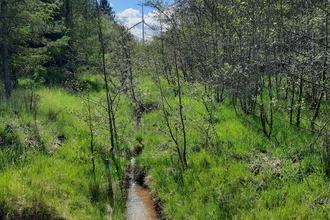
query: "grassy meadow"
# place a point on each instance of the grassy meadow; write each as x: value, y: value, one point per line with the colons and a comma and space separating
x: 46, y: 169
x: 233, y: 172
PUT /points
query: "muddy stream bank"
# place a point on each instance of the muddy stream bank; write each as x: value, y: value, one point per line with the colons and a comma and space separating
x: 139, y: 204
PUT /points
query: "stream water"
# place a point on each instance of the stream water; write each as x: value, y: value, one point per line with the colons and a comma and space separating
x: 139, y: 205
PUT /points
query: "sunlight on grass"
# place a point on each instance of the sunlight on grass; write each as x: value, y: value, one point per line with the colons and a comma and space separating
x: 55, y: 182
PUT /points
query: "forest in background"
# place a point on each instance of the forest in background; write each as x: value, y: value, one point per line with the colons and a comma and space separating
x: 229, y: 102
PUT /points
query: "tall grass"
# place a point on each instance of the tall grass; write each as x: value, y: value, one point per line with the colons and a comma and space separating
x: 46, y: 166
x: 234, y: 172
x: 241, y: 175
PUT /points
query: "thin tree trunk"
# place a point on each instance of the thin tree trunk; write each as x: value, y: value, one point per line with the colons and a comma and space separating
x: 299, y: 100
x: 5, y: 49
x: 316, y: 112
x: 324, y: 72
x: 183, y: 127
x: 292, y: 102
x: 105, y: 78
x: 166, y: 116
x: 130, y: 72
x: 91, y: 130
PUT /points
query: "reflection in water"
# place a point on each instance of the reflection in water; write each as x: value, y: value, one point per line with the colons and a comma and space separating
x: 140, y: 205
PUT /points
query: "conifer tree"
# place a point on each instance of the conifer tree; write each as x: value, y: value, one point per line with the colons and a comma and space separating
x: 106, y: 8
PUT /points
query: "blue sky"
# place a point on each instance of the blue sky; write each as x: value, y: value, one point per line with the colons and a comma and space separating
x: 129, y: 13
x: 121, y: 5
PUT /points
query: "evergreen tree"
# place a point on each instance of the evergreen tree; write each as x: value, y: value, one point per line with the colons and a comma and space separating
x: 106, y: 8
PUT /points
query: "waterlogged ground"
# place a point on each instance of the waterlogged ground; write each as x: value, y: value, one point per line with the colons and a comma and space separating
x: 140, y: 205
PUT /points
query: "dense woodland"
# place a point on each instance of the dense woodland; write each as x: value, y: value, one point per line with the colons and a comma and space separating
x: 229, y: 104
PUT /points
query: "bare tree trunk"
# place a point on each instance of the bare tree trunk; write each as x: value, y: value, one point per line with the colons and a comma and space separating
x: 299, y: 100
x: 324, y: 72
x: 91, y: 133
x: 183, y: 127
x: 182, y: 152
x: 130, y: 71
x: 105, y: 78
x: 166, y: 116
x: 316, y: 112
x: 271, y: 104
x: 292, y: 101
x: 5, y: 48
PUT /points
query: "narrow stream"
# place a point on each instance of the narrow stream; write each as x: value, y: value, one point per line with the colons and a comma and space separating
x: 140, y: 205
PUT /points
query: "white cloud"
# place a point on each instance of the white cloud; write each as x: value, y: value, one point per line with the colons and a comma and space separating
x: 152, y: 19
x: 130, y: 17
x: 128, y: 13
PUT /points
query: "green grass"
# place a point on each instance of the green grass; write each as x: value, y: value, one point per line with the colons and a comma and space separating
x: 43, y: 180
x: 234, y: 172
x: 241, y: 175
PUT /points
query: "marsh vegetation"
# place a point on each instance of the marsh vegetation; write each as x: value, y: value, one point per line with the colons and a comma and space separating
x: 226, y: 110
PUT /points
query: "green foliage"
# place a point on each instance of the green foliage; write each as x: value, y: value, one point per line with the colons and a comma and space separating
x: 239, y: 84
x: 106, y: 8
x: 326, y: 153
x: 54, y: 182
x: 241, y: 174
